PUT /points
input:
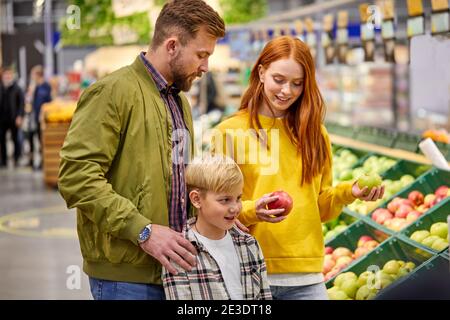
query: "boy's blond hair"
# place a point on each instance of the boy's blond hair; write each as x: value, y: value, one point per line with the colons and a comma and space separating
x: 216, y: 173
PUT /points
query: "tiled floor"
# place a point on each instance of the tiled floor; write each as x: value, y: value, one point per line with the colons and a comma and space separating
x: 39, y: 251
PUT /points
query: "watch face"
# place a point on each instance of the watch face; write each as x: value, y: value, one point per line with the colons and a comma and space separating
x: 144, y: 234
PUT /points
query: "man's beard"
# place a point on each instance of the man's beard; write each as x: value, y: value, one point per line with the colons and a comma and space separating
x: 182, y: 81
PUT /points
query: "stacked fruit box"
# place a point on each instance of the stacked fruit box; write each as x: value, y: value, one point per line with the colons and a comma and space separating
x: 57, y: 118
x: 53, y: 138
x: 374, y: 260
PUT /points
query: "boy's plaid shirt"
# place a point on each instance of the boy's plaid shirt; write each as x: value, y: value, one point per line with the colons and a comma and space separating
x: 205, y: 281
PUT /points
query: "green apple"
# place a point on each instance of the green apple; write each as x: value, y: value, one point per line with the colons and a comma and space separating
x: 364, y: 277
x: 403, y: 271
x: 337, y: 295
x: 324, y: 229
x: 370, y: 181
x: 409, y: 266
x: 340, y: 228
x: 419, y: 235
x: 407, y: 179
x: 343, y: 277
x: 439, y: 245
x: 349, y: 286
x: 439, y: 229
x: 346, y: 175
x: 364, y: 293
x: 383, y: 279
x: 428, y: 241
x: 391, y: 267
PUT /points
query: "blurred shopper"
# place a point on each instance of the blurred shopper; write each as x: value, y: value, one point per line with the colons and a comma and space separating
x: 42, y: 94
x: 11, y: 115
x: 285, y: 109
x: 210, y: 94
x: 122, y: 163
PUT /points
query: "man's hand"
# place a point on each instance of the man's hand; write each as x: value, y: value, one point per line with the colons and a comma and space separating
x: 374, y: 194
x: 166, y: 244
x: 265, y: 214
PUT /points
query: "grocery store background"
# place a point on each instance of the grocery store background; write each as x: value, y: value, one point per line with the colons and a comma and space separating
x: 383, y: 68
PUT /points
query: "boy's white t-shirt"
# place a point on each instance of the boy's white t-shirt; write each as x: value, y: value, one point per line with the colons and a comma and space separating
x: 224, y: 252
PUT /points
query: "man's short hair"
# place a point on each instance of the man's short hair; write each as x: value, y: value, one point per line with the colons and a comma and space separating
x: 216, y: 173
x: 184, y: 18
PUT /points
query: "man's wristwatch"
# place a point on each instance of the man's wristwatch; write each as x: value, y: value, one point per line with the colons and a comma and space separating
x: 145, y: 233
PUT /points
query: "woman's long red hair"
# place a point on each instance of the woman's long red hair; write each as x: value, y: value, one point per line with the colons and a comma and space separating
x: 304, y: 118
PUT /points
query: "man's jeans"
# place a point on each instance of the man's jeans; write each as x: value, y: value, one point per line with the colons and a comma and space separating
x: 115, y: 290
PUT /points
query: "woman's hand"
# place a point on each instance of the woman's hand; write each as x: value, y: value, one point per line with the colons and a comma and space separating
x: 265, y: 214
x: 373, y: 195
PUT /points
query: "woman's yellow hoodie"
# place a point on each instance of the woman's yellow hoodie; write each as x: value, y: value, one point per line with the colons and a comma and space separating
x: 295, y: 244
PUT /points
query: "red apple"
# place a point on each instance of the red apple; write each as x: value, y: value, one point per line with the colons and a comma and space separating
x: 344, y: 261
x: 383, y: 216
x: 284, y: 201
x: 378, y: 212
x: 359, y: 252
x: 416, y: 197
x: 412, y: 216
x: 406, y: 202
x: 328, y: 250
x: 429, y: 200
x: 328, y: 264
x: 441, y: 191
x: 371, y: 244
x: 422, y: 208
x: 341, y: 252
x: 393, y: 205
x: 403, y: 211
x: 332, y: 273
x: 363, y: 239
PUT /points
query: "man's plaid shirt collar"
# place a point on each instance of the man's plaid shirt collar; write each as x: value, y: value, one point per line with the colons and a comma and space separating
x: 161, y: 82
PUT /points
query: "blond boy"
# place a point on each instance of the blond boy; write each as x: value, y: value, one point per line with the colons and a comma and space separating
x: 230, y: 263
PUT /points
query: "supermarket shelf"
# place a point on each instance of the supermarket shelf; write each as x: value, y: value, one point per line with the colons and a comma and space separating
x: 396, y: 153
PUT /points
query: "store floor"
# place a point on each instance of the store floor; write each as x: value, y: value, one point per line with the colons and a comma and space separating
x: 39, y: 252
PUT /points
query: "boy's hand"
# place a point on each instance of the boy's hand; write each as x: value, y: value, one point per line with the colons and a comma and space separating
x: 265, y: 214
x: 168, y: 246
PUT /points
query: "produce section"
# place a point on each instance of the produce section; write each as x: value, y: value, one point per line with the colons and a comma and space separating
x: 393, y: 241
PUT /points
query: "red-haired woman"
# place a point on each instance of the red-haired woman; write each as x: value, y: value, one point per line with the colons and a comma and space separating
x: 279, y: 141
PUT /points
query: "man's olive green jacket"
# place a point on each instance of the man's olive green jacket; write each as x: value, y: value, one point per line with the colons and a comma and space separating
x: 116, y: 170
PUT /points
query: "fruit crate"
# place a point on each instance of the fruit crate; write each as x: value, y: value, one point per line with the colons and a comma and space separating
x: 349, y: 237
x: 404, y: 167
x: 431, y: 280
x: 53, y: 138
x: 378, y: 136
x: 426, y: 183
x: 438, y: 213
x: 349, y: 219
x: 393, y: 248
x: 407, y: 141
x: 360, y: 153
